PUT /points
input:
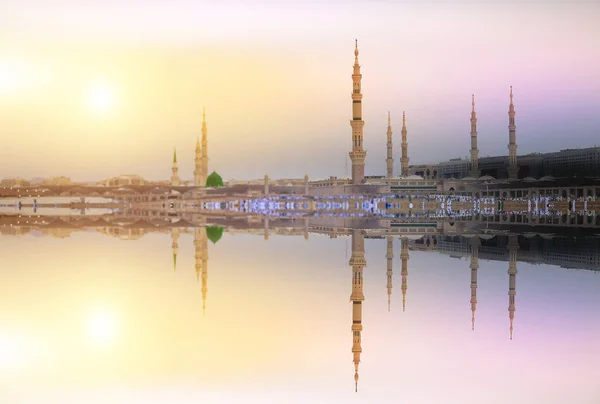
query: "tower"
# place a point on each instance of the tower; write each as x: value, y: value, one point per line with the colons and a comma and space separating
x: 204, y: 157
x: 474, y: 151
x: 198, y: 165
x: 175, y: 245
x: 390, y: 267
x: 174, y: 170
x: 513, y: 246
x: 404, y: 160
x: 404, y: 272
x: 358, y: 262
x: 201, y: 260
x: 390, y: 159
x: 513, y: 169
x: 357, y: 155
x: 475, y: 242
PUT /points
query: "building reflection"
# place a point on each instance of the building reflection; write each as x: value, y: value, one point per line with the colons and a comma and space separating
x: 357, y: 262
x: 513, y: 246
x: 201, y: 261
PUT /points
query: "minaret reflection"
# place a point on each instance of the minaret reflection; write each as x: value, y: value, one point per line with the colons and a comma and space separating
x: 390, y: 267
x: 201, y: 258
x: 358, y: 262
x: 404, y: 273
x: 513, y: 246
x: 175, y: 245
x: 475, y: 243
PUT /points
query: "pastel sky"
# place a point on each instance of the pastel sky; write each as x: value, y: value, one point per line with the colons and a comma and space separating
x: 92, y: 318
x: 95, y: 89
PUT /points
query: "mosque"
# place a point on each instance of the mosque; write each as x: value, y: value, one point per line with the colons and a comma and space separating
x: 200, y: 160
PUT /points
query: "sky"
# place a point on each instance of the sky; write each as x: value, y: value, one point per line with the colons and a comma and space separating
x: 91, y: 90
x: 92, y: 318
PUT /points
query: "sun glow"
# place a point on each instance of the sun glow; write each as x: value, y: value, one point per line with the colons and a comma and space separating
x: 102, y: 326
x: 101, y: 97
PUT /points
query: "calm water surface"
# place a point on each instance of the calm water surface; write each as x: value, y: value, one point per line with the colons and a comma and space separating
x: 88, y: 318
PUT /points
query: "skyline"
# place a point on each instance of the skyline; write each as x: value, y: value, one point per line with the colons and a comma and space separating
x: 298, y: 87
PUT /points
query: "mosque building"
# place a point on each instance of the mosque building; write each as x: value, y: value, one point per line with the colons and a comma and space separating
x: 200, y: 159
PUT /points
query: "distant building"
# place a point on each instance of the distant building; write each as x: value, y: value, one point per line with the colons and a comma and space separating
x: 14, y: 182
x: 123, y: 181
x: 57, y: 181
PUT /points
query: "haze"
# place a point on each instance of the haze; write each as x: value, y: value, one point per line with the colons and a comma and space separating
x: 96, y: 90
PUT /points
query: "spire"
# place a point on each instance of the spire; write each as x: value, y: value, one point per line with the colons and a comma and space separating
x: 404, y: 159
x: 389, y: 161
x: 474, y: 168
x: 174, y: 155
x: 357, y: 154
x: 513, y: 169
x: 174, y: 261
x: 204, y: 155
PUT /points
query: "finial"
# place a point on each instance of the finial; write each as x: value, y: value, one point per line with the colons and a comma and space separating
x: 203, y: 113
x: 511, y: 95
x: 511, y: 328
x: 473, y: 101
x: 403, y: 303
x: 356, y: 381
x: 174, y: 262
x: 174, y: 155
x: 473, y: 321
x: 389, y: 117
x: 356, y: 47
x: 403, y: 117
x: 389, y: 302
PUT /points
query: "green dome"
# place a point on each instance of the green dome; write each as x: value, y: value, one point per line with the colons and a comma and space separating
x: 214, y: 180
x: 214, y: 234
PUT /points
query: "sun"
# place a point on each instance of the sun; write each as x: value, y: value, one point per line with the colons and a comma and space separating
x: 100, y: 97
x: 102, y: 326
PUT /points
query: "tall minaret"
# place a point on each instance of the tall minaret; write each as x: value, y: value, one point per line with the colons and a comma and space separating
x: 201, y: 258
x: 204, y: 157
x: 198, y: 165
x: 474, y: 151
x: 475, y: 242
x: 358, y: 262
x: 513, y: 246
x: 390, y: 157
x: 404, y: 160
x: 175, y: 245
x: 513, y: 169
x: 175, y: 169
x: 357, y: 155
x: 390, y: 267
x: 204, y: 270
x: 404, y: 272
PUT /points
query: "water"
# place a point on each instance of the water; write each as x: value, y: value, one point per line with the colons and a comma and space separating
x: 121, y: 310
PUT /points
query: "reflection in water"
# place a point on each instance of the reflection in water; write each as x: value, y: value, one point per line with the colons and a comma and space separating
x: 431, y: 242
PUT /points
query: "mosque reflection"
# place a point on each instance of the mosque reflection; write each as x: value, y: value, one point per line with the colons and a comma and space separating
x: 579, y: 249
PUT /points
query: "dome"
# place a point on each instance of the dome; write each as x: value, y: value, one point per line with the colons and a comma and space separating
x: 214, y: 233
x: 486, y: 178
x: 547, y: 178
x: 468, y: 179
x: 214, y: 180
x: 414, y: 177
x: 529, y: 179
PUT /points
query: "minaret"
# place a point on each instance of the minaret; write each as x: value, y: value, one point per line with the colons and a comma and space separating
x: 198, y: 165
x: 390, y: 159
x: 513, y: 169
x: 513, y: 246
x: 390, y: 267
x: 358, y: 262
x: 201, y: 258
x: 474, y: 151
x: 404, y: 272
x: 475, y: 242
x: 204, y: 158
x: 175, y: 169
x: 404, y: 160
x: 357, y: 155
x: 175, y: 245
x: 204, y: 270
